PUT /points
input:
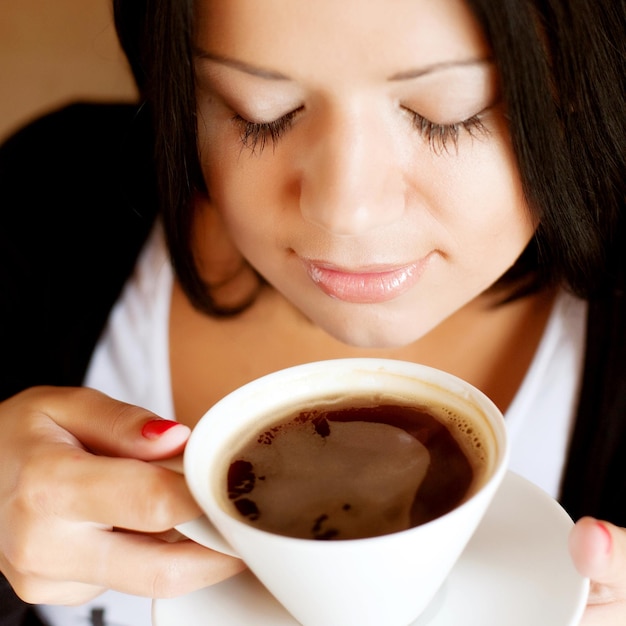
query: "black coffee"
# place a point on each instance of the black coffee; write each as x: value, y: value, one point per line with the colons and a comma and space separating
x: 350, y: 472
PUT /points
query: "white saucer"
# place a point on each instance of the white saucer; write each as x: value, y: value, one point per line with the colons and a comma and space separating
x: 515, y: 571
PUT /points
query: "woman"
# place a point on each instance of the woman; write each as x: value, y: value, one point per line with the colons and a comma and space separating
x: 441, y: 182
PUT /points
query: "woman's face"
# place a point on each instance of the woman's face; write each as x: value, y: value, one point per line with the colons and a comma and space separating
x: 358, y: 156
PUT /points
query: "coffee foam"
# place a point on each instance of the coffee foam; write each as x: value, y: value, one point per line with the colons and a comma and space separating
x: 474, y: 437
x: 376, y: 499
x: 465, y: 421
x: 462, y: 417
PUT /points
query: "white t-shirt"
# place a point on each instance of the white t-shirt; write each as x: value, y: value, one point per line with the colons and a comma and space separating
x: 131, y: 363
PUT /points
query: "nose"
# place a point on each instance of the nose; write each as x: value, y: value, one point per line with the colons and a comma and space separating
x: 351, y: 180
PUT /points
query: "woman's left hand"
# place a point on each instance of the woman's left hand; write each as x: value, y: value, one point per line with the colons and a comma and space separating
x: 599, y: 553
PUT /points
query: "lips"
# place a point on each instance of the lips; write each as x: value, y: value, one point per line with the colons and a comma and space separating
x: 367, y: 285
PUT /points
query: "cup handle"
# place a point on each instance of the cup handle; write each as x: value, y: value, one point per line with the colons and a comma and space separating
x: 200, y: 530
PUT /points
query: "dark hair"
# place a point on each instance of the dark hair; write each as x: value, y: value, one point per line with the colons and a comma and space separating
x: 561, y: 64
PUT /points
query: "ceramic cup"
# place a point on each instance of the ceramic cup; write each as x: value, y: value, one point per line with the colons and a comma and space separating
x: 387, y: 579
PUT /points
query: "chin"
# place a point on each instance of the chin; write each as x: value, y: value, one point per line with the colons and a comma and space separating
x: 383, y: 335
x: 369, y: 327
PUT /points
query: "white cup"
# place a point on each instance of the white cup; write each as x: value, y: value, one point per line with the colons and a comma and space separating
x: 384, y: 580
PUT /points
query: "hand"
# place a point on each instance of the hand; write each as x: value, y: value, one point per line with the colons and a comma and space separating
x: 599, y: 553
x: 80, y: 509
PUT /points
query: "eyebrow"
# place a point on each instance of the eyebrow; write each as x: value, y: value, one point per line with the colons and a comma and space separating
x: 242, y: 66
x: 437, y: 67
x: 268, y: 74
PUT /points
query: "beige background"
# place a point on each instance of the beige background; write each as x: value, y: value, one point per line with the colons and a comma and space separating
x: 55, y: 51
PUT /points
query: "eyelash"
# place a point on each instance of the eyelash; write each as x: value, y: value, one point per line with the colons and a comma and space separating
x: 255, y: 135
x: 439, y: 135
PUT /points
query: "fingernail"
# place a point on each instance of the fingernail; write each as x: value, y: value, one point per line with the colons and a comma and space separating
x: 608, y: 539
x: 155, y: 428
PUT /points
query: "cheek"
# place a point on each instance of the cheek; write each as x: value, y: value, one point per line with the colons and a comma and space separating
x: 250, y: 191
x: 225, y: 167
x: 247, y: 205
x: 481, y: 205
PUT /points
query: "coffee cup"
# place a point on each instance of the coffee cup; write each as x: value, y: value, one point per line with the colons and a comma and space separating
x: 349, y: 487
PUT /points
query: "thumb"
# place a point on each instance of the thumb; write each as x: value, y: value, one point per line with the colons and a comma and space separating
x: 598, y: 550
x: 110, y: 427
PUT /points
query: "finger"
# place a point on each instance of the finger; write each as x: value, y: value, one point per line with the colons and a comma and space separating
x: 108, y: 426
x: 161, y: 569
x: 37, y: 590
x: 68, y: 483
x: 598, y: 550
x: 130, y: 563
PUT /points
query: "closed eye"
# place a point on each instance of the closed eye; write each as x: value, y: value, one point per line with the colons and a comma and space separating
x: 255, y: 135
x: 439, y: 136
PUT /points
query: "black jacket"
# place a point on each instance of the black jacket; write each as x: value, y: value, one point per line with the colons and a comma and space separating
x: 77, y: 201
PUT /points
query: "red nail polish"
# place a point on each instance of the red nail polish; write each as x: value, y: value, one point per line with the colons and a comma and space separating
x: 607, y: 537
x: 155, y: 428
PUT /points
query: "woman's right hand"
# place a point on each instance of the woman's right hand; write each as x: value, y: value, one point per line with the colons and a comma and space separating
x: 80, y: 508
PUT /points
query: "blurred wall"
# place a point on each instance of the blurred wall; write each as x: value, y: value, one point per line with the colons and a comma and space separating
x: 55, y: 51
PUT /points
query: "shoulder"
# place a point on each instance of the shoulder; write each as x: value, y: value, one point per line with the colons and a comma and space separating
x: 80, y: 155
x: 77, y: 191
x: 76, y: 178
x: 77, y: 202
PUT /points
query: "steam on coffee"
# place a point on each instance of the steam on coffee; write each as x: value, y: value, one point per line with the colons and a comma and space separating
x: 350, y: 472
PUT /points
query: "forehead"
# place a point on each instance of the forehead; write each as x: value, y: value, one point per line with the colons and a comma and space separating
x: 303, y: 37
